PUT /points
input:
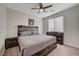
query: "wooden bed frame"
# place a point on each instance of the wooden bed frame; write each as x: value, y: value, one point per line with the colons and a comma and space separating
x: 42, y: 52
x: 46, y: 51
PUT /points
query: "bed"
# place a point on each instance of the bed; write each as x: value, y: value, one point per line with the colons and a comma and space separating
x: 33, y: 44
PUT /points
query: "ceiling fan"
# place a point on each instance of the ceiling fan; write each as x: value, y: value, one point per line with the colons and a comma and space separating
x: 42, y: 8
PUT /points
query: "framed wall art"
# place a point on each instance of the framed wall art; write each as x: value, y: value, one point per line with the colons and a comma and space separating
x: 30, y: 21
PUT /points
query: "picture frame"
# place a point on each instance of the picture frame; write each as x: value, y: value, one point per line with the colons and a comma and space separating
x: 30, y: 21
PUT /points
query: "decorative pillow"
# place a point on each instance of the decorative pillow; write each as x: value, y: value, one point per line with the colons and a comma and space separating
x: 25, y: 33
x: 35, y: 33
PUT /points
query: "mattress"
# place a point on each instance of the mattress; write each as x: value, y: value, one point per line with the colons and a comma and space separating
x: 32, y: 44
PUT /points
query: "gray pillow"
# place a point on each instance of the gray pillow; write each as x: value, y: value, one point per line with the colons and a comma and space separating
x: 25, y: 33
x: 35, y: 33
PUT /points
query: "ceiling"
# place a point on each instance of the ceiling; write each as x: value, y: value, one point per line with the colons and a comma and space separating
x: 26, y: 8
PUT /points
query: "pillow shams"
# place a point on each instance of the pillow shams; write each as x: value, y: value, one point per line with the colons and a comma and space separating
x: 25, y: 33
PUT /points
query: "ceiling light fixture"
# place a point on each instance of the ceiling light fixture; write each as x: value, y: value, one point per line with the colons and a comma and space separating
x: 42, y: 8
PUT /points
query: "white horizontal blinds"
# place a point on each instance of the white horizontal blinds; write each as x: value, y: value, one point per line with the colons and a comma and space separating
x: 56, y: 24
x: 51, y: 25
x: 59, y: 24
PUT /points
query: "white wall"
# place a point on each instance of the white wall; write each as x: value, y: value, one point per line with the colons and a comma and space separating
x: 38, y: 22
x: 3, y: 25
x: 51, y: 25
x: 15, y: 18
x: 71, y: 25
x: 45, y: 26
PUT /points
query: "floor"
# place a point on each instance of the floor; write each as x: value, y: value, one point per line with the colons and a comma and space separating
x: 12, y: 52
x: 61, y: 50
x: 64, y: 50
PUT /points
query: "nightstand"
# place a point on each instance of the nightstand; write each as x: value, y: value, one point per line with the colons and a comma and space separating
x: 11, y: 42
x: 59, y: 36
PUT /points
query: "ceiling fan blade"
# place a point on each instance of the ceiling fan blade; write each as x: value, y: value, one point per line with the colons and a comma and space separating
x: 47, y: 7
x: 35, y: 8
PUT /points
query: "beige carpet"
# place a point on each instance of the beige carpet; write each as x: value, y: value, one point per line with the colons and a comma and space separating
x: 12, y: 52
x: 61, y: 50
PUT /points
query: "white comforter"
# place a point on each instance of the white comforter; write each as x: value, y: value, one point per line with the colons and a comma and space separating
x: 32, y: 44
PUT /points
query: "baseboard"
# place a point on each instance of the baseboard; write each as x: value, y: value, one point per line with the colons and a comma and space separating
x: 2, y: 51
x: 70, y: 45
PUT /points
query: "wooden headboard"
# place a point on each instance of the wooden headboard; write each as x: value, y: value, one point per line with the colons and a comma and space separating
x: 23, y: 28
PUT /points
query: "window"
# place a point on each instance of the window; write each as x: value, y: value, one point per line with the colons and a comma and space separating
x: 56, y: 24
